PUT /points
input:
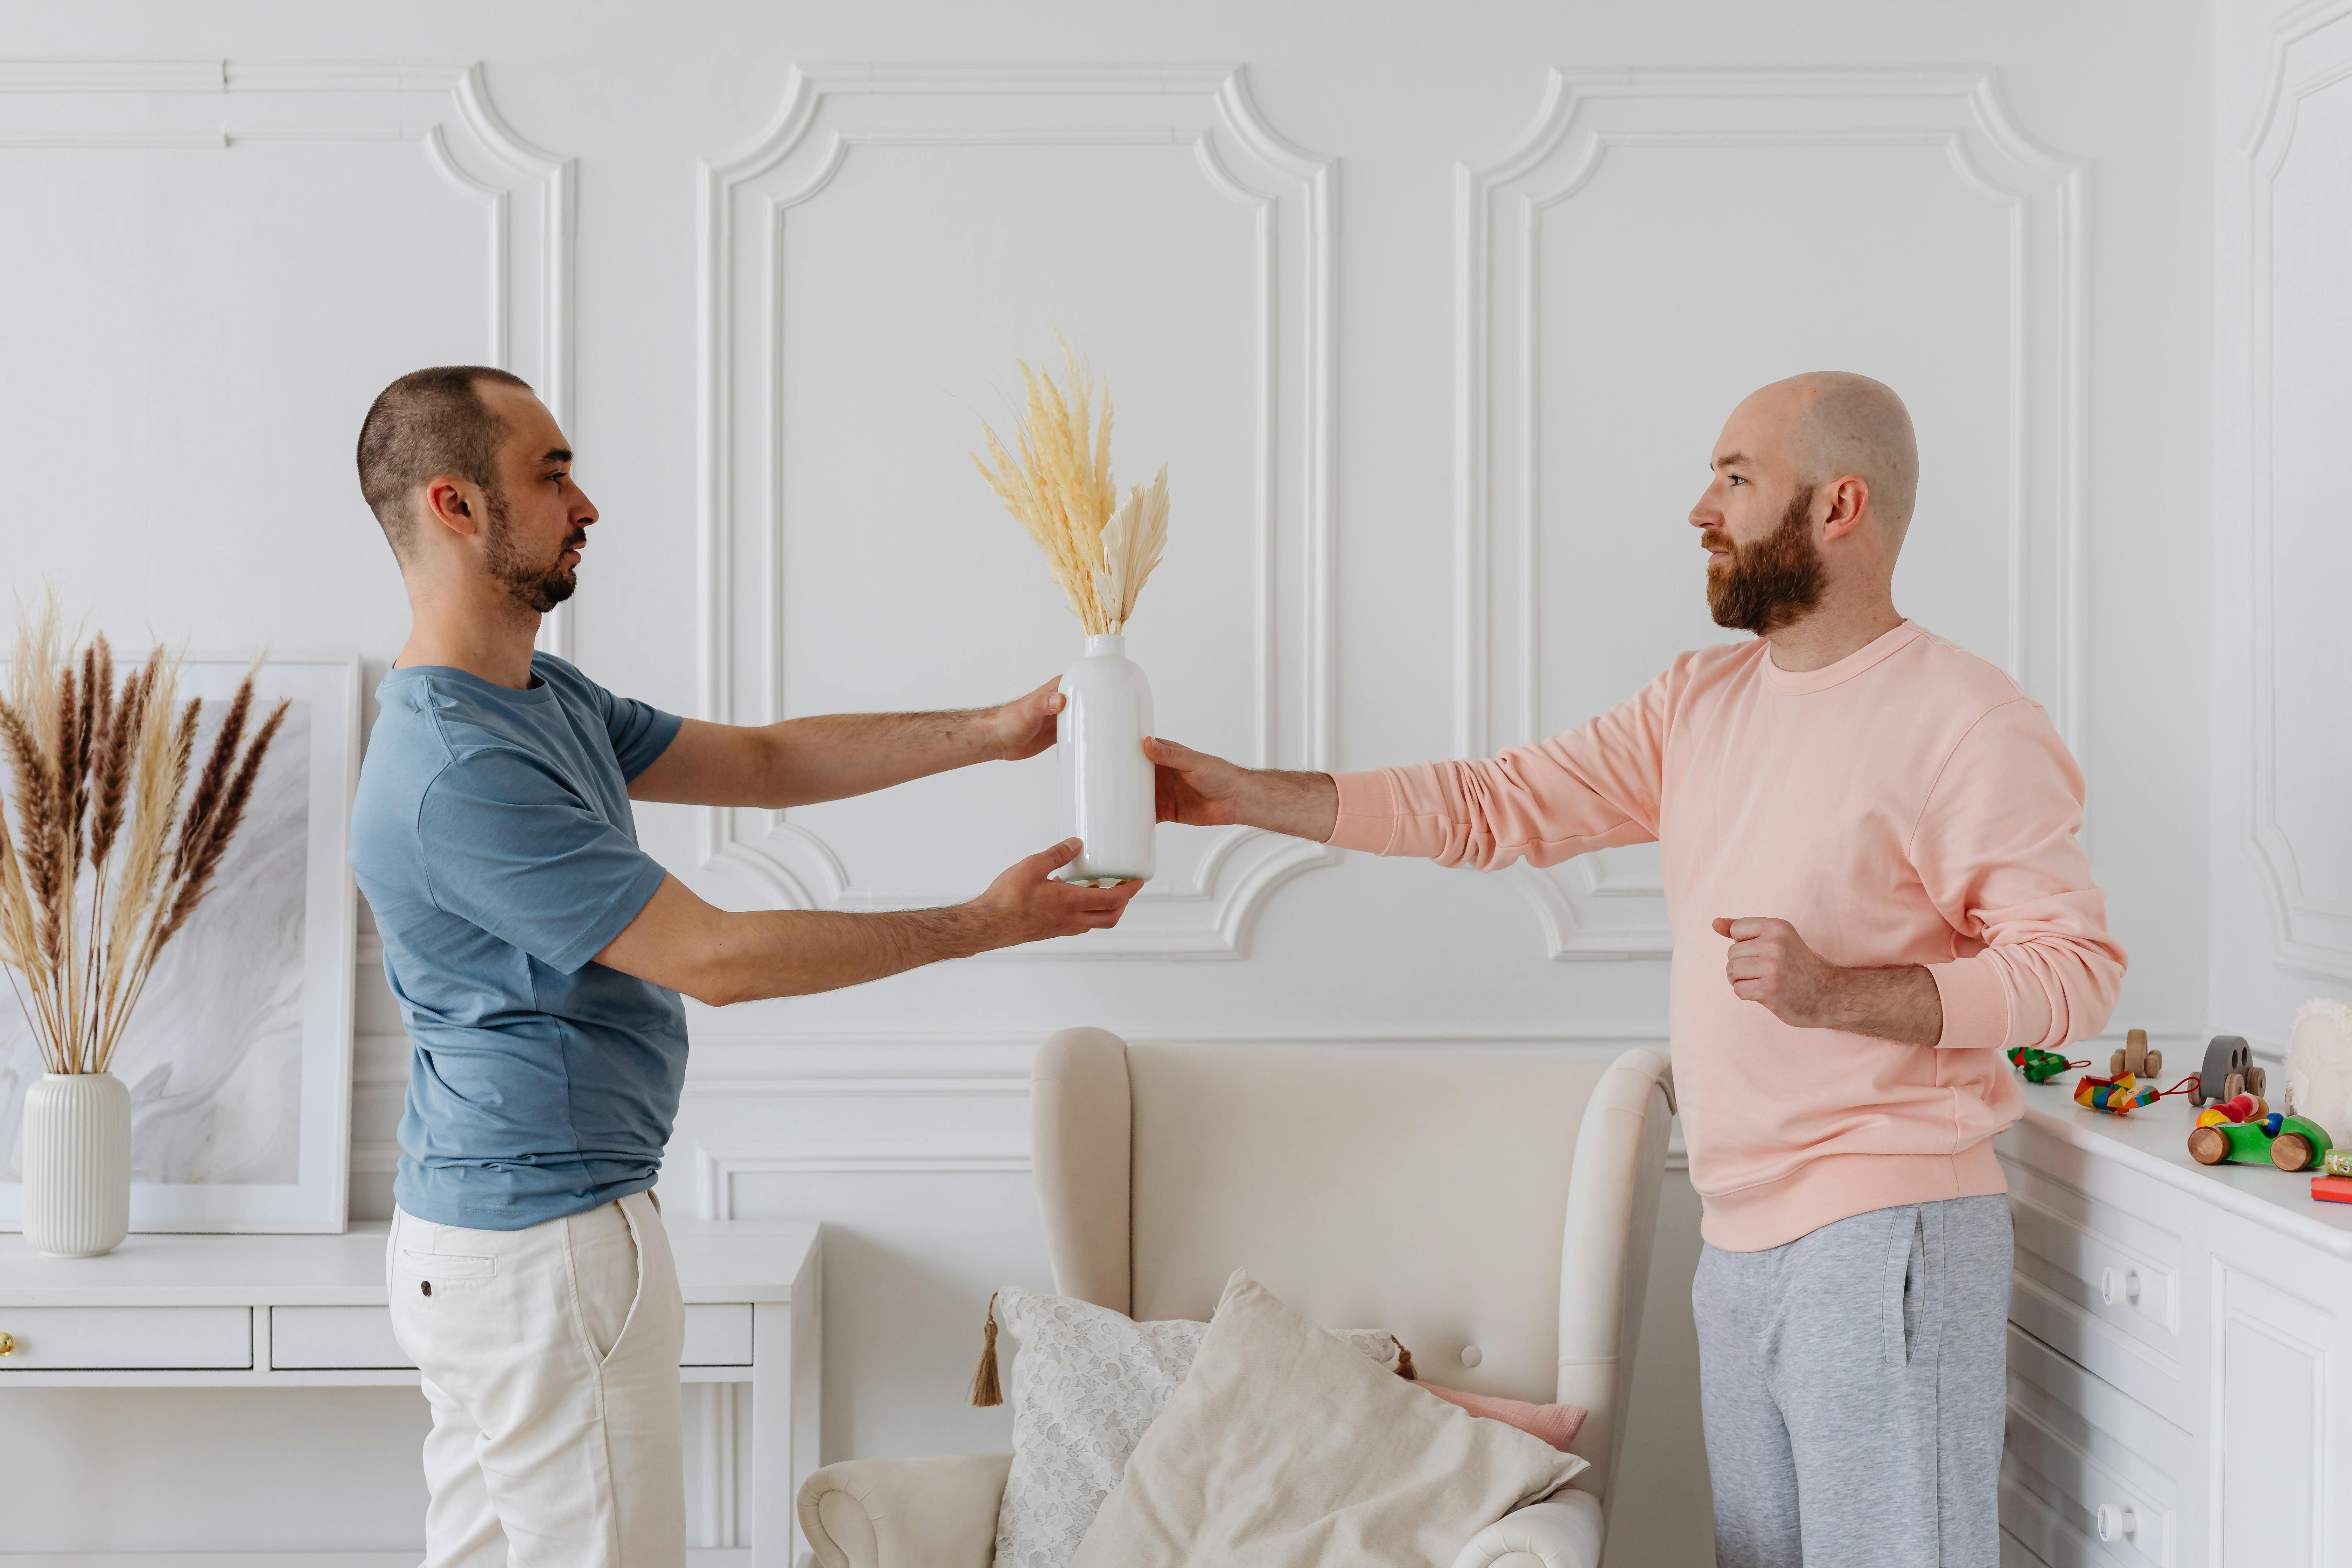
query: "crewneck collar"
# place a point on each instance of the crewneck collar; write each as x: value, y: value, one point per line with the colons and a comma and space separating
x: 538, y: 690
x: 1797, y: 683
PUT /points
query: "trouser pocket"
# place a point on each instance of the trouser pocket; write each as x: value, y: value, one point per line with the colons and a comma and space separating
x: 1905, y: 1288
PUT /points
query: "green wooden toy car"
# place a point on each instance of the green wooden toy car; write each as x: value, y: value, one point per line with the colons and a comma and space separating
x: 2294, y: 1143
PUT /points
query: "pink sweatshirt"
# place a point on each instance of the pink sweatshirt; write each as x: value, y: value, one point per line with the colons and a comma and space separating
x: 1906, y: 805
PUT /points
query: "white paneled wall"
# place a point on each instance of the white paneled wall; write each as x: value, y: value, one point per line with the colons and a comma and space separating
x: 2281, y: 913
x: 1434, y: 314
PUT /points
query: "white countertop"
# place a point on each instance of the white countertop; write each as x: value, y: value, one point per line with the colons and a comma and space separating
x: 717, y: 1260
x: 2154, y: 1141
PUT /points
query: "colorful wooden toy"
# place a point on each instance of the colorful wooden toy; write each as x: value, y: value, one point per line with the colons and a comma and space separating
x: 2332, y: 1189
x: 2336, y: 1161
x: 2122, y: 1095
x: 2040, y: 1067
x: 2289, y: 1143
x: 2228, y: 1070
x: 2133, y: 1057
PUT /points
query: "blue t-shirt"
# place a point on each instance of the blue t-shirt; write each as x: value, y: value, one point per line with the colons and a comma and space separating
x: 492, y: 836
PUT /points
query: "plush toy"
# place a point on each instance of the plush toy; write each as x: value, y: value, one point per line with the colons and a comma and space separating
x: 2133, y: 1057
x: 2123, y: 1094
x: 2289, y: 1142
x: 2319, y: 1064
x: 2228, y: 1070
x: 2038, y: 1065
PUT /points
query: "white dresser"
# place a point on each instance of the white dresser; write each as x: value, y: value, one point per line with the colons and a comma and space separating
x: 2180, y: 1354
x: 292, y: 1312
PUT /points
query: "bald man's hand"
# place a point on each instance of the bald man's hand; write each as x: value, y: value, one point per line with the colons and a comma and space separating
x: 1770, y: 964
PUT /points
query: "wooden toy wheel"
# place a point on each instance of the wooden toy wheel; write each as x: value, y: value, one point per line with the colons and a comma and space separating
x: 2291, y: 1151
x: 2209, y: 1146
x: 2232, y: 1087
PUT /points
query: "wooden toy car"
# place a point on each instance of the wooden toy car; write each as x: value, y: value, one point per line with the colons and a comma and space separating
x: 2229, y: 1071
x: 2289, y: 1142
x: 2133, y: 1057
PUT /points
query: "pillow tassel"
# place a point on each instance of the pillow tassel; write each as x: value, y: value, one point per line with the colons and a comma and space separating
x: 984, y: 1389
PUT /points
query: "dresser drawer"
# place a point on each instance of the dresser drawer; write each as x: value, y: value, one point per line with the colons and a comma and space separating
x: 2084, y: 1459
x: 717, y: 1334
x: 318, y: 1337
x: 127, y: 1338
x: 2102, y: 1276
x: 313, y: 1337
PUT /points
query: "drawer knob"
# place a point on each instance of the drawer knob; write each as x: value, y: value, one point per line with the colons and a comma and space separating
x: 2114, y: 1523
x: 7, y: 1345
x: 2118, y: 1285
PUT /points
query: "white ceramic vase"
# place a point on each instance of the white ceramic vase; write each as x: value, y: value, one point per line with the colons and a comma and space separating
x: 77, y: 1163
x: 1107, y: 799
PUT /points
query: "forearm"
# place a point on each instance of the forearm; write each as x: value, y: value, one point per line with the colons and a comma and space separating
x: 1305, y: 806
x: 796, y: 952
x: 1899, y: 1002
x: 838, y: 755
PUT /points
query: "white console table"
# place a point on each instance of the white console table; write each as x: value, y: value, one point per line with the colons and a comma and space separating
x: 307, y: 1312
x: 2180, y: 1351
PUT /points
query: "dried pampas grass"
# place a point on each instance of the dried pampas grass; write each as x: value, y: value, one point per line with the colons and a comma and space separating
x: 103, y: 868
x: 1059, y: 488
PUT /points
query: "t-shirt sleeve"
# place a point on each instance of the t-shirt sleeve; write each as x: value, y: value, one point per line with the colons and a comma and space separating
x: 641, y: 733
x: 508, y: 846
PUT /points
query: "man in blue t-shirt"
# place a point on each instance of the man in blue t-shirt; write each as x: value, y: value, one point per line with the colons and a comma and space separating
x: 538, y: 955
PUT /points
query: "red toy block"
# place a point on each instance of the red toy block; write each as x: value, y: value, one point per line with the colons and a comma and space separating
x: 2332, y: 1189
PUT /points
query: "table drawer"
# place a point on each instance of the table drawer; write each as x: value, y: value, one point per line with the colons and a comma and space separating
x: 717, y: 1334
x: 319, y: 1337
x: 2106, y: 1286
x: 127, y: 1338
x: 309, y: 1337
x: 2081, y: 1458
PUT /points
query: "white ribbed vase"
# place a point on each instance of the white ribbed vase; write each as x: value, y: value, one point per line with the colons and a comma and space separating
x: 1107, y: 798
x: 77, y: 1163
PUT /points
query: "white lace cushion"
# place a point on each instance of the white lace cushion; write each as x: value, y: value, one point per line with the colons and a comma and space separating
x: 1086, y: 1384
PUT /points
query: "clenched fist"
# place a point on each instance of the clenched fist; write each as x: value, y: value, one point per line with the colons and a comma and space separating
x: 1769, y: 963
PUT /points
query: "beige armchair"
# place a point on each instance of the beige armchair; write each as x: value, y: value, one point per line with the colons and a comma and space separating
x: 1494, y: 1210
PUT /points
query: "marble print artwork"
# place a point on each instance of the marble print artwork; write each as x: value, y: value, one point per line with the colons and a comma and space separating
x: 214, y: 1054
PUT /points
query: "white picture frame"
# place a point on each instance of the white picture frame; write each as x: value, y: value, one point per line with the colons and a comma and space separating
x: 219, y: 1141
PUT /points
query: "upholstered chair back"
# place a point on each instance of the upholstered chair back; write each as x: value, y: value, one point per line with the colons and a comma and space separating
x: 1493, y: 1210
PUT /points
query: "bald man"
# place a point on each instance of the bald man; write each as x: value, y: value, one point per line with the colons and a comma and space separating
x: 1869, y: 837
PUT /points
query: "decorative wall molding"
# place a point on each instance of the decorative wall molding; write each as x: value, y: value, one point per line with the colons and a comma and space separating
x: 715, y: 1165
x: 444, y: 106
x: 746, y: 200
x: 1589, y: 909
x: 2311, y: 53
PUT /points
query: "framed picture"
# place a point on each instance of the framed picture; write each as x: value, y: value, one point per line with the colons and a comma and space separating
x: 239, y: 1055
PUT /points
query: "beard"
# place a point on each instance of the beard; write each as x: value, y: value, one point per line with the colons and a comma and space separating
x: 537, y: 586
x: 1772, y: 583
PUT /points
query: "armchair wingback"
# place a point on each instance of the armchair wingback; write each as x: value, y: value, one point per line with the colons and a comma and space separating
x: 1492, y: 1209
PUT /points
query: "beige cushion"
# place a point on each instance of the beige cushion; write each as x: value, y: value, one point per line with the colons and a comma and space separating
x: 1285, y: 1448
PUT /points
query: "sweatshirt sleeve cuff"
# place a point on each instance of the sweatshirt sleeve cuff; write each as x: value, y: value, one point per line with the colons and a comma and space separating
x: 1975, y: 1004
x: 1367, y: 813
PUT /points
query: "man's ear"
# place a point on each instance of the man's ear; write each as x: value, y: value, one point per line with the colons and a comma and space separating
x: 1849, y: 502
x: 452, y: 503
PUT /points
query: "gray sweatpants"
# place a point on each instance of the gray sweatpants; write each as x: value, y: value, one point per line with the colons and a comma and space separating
x: 1853, y: 1383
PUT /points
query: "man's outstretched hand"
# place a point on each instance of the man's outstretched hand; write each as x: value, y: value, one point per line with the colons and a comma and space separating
x: 1210, y: 792
x: 1771, y: 965
x: 1024, y: 726
x: 1029, y: 903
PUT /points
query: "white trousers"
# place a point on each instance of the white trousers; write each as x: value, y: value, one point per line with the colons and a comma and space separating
x: 550, y: 1356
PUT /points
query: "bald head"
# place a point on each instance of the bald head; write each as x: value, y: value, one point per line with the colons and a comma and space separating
x: 1841, y: 424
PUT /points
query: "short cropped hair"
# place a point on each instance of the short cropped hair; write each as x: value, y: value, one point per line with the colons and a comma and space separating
x: 427, y: 422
